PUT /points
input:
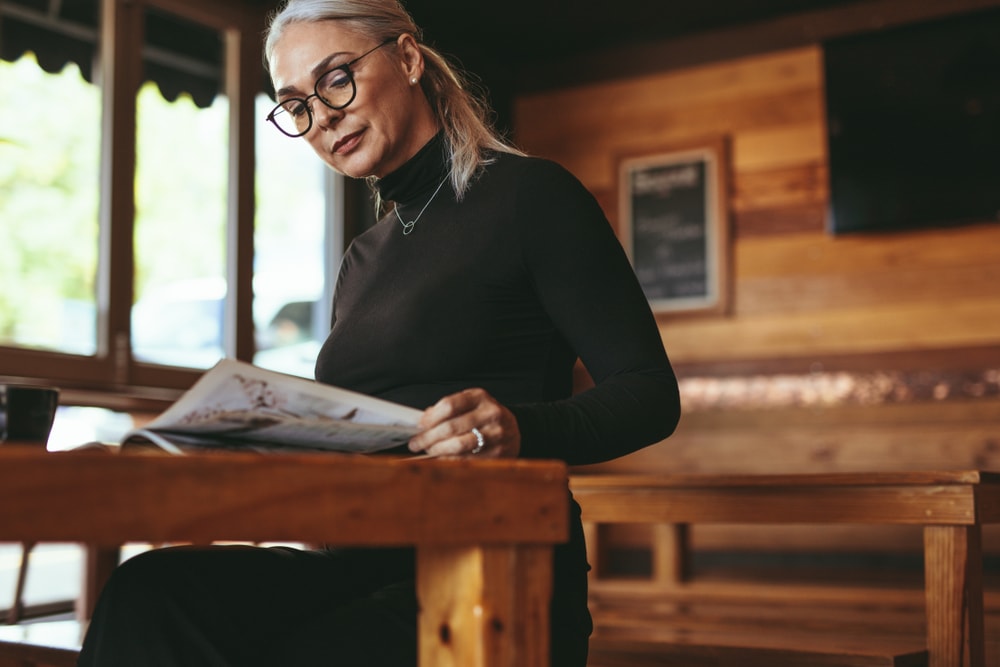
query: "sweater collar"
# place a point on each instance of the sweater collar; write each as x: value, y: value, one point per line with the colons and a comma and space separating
x: 419, y: 176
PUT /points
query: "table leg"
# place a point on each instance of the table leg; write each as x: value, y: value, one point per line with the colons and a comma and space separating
x: 484, y: 606
x: 953, y: 569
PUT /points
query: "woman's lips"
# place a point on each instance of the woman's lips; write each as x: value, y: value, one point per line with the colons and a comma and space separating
x: 346, y: 144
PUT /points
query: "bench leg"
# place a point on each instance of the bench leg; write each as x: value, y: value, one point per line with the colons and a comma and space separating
x: 671, y: 553
x: 953, y: 579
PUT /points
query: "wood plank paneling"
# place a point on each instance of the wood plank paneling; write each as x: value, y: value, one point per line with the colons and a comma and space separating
x: 585, y: 127
x: 780, y: 188
x: 955, y: 323
x: 539, y: 121
x: 869, y: 289
x: 942, y: 435
x: 784, y: 220
x: 797, y: 290
x: 796, y: 145
x: 792, y: 256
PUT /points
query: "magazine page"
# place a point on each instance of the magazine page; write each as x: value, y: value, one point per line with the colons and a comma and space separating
x: 239, y: 402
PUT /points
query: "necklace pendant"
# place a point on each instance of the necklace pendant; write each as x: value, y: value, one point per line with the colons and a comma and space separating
x: 408, y: 226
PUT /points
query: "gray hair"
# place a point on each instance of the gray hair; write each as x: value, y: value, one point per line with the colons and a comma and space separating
x: 461, y: 111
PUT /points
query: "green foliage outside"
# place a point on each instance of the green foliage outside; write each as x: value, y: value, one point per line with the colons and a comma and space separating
x: 50, y: 128
x: 181, y: 177
x: 49, y: 192
x: 48, y: 198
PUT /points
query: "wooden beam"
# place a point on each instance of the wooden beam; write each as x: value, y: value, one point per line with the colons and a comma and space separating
x: 785, y: 32
x: 122, y: 36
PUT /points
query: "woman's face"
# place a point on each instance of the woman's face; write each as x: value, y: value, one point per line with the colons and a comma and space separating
x: 389, y: 119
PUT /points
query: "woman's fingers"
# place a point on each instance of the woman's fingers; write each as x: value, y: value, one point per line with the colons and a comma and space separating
x: 469, y: 422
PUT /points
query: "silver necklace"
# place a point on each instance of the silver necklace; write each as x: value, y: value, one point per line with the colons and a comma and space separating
x: 408, y: 226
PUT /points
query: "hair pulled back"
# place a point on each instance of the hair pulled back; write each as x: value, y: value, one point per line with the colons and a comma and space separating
x: 460, y: 109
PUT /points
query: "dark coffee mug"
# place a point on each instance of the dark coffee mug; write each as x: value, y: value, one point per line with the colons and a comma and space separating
x: 26, y: 413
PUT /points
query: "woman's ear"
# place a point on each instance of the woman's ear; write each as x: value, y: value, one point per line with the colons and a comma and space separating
x: 411, y: 57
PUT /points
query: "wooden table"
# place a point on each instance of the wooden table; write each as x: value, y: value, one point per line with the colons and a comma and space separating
x: 950, y: 505
x: 483, y: 530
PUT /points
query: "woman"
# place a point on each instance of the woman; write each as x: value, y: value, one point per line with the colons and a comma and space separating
x: 472, y: 297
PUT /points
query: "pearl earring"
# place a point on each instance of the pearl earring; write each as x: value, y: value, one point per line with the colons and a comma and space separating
x: 413, y: 80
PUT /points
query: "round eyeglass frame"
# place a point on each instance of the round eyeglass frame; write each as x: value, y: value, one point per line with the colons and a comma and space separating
x: 346, y: 69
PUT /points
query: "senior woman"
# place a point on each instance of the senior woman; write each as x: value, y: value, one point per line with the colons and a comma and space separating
x: 488, y: 275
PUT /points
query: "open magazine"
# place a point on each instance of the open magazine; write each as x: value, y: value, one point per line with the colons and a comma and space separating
x: 239, y: 405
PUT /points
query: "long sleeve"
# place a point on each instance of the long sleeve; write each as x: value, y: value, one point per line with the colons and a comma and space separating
x: 588, y: 289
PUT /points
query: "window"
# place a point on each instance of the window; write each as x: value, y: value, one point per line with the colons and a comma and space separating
x: 49, y: 174
x: 293, y: 250
x: 179, y: 240
x: 145, y: 251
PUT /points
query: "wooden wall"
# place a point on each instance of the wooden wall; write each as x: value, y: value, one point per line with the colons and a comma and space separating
x: 802, y: 300
x: 797, y: 291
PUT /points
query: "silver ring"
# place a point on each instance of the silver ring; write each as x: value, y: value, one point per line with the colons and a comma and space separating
x: 480, y: 441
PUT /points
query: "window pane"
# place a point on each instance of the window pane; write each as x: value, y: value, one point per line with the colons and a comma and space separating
x: 180, y: 235
x: 49, y: 166
x: 54, y: 572
x: 290, y: 249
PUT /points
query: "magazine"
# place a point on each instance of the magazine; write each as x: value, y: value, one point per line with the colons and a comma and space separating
x: 238, y: 405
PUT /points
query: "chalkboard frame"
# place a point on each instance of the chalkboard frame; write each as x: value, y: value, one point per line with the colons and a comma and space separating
x: 710, y: 157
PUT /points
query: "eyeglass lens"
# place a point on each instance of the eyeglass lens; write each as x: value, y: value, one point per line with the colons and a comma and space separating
x: 335, y: 89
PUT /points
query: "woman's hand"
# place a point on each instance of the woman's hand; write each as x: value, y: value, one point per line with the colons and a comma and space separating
x: 450, y: 426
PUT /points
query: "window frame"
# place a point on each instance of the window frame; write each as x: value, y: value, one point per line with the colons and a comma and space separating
x: 111, y: 377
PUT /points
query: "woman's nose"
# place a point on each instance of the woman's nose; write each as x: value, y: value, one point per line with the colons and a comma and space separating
x: 324, y: 116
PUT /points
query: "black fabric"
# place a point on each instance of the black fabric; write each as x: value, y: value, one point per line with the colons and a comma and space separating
x: 504, y: 290
x: 238, y: 606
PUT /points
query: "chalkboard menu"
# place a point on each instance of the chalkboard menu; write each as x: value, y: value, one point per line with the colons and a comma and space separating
x: 673, y: 227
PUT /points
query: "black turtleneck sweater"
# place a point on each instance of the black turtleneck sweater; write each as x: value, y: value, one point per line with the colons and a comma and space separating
x: 503, y: 290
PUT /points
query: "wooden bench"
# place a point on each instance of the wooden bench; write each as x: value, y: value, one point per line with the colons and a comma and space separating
x: 951, y: 508
x: 790, y: 438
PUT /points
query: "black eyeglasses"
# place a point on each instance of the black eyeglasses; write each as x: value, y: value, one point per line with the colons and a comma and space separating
x: 335, y: 88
